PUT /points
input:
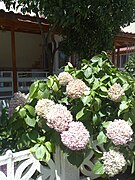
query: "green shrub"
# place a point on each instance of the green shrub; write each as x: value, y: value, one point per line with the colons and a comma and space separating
x: 110, y: 95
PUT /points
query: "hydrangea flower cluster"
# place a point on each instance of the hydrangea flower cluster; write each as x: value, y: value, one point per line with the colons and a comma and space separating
x: 43, y: 107
x: 76, y: 137
x: 76, y: 88
x: 64, y: 78
x: 113, y: 162
x: 59, y: 118
x: 19, y: 99
x: 116, y: 92
x: 119, y: 132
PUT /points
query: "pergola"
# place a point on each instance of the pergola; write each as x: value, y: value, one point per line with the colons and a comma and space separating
x: 124, y: 42
x: 20, y: 23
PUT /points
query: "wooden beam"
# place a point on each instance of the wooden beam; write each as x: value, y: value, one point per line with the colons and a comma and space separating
x: 22, y: 26
x: 14, y: 60
x: 124, y: 39
x: 118, y: 57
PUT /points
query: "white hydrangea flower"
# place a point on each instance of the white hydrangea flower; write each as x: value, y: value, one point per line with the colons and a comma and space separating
x: 113, y: 162
x: 59, y: 118
x: 119, y: 132
x: 76, y: 137
x: 19, y: 99
x: 43, y: 107
x: 64, y: 78
x: 76, y: 88
x: 116, y: 92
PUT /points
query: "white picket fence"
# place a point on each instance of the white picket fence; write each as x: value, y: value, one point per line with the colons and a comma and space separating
x: 24, y: 166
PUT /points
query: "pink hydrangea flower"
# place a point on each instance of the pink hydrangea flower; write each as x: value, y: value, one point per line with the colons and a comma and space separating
x: 19, y: 99
x: 64, y: 78
x: 113, y: 162
x: 76, y: 88
x: 119, y: 132
x: 116, y: 92
x: 76, y: 137
x: 59, y: 118
x: 43, y: 106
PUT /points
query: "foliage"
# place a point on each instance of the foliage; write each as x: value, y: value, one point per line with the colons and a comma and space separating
x: 87, y: 27
x: 94, y: 109
x: 130, y: 65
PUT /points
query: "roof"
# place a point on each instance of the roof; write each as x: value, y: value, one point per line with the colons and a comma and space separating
x: 126, y: 38
x: 10, y: 20
x: 21, y: 23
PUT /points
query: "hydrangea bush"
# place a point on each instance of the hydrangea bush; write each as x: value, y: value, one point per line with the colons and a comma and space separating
x: 92, y: 103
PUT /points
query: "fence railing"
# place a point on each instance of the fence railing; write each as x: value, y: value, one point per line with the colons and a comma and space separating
x: 24, y: 166
x: 24, y: 80
x: 6, y: 84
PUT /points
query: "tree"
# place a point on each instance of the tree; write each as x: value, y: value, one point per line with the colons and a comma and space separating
x: 87, y: 27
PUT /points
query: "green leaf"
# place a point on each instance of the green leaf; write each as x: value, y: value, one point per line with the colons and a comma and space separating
x: 100, y: 62
x: 133, y: 166
x: 80, y: 114
x: 41, y: 139
x: 104, y: 89
x: 97, y: 104
x: 33, y: 89
x: 98, y: 168
x: 70, y: 65
x: 85, y: 99
x: 64, y: 100
x: 122, y: 78
x: 123, y: 106
x: 96, y: 84
x: 30, y: 109
x: 42, y: 86
x: 90, y: 80
x: 40, y: 152
x: 105, y: 124
x: 33, y: 135
x: 55, y: 137
x: 96, y: 119
x: 22, y: 112
x: 96, y: 59
x: 49, y: 146
x: 47, y: 156
x: 33, y: 149
x: 101, y: 138
x: 30, y: 121
x: 43, y: 94
x: 104, y: 78
x: 125, y: 87
x: 49, y: 82
x: 88, y: 72
x: 55, y: 87
x: 76, y: 158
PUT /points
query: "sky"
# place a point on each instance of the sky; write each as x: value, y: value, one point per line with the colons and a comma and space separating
x: 130, y: 28
x: 2, y: 6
